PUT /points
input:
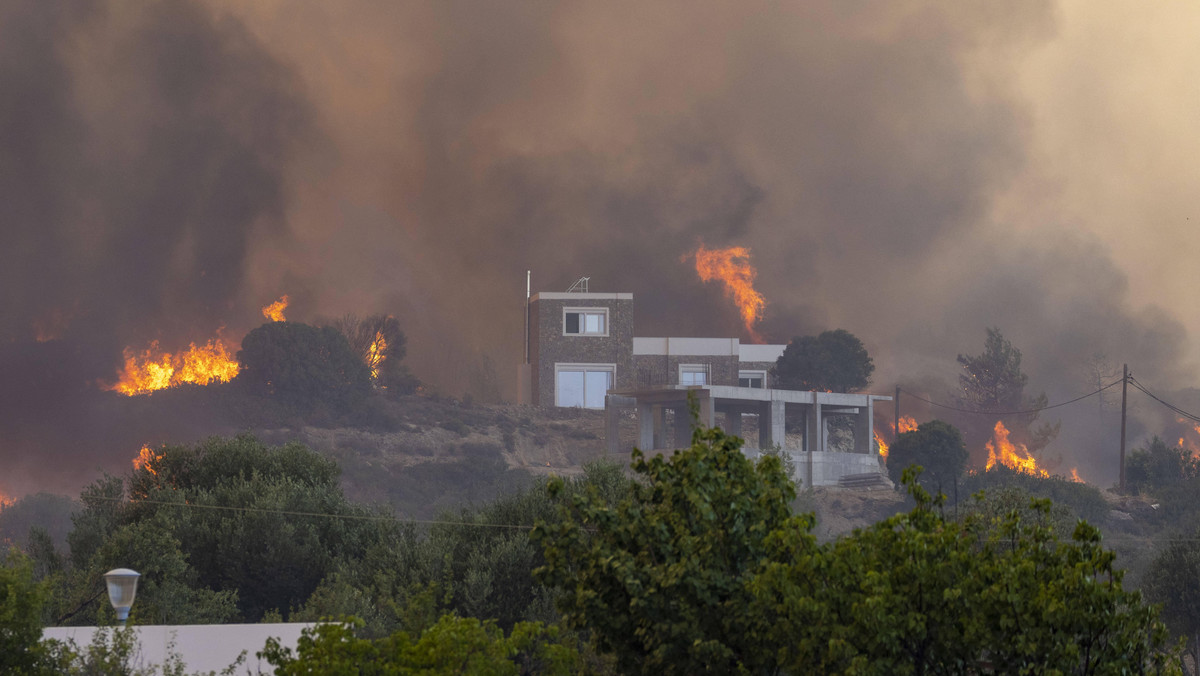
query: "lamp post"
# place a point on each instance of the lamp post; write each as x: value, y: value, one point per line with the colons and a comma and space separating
x: 122, y: 586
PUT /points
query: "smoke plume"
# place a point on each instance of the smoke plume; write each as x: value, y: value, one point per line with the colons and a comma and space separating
x: 901, y: 170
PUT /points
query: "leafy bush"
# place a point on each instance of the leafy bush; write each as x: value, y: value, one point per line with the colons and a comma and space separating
x: 936, y: 446
x: 1083, y: 500
x: 303, y: 367
x: 1158, y: 466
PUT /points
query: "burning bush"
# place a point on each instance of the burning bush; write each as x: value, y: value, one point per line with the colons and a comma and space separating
x: 380, y: 343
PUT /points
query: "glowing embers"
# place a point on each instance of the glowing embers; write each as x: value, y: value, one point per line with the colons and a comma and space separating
x: 376, y: 354
x: 1014, y: 456
x: 146, y: 459
x: 732, y: 268
x: 154, y: 369
x: 274, y: 311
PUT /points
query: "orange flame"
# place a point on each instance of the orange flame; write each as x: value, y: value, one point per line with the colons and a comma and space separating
x: 732, y: 267
x: 1014, y: 456
x: 5, y: 500
x: 376, y: 353
x: 146, y: 459
x: 154, y: 369
x: 1075, y: 476
x: 907, y: 424
x: 274, y: 311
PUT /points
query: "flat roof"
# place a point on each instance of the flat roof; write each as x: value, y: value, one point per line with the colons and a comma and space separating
x: 563, y: 295
x: 680, y: 393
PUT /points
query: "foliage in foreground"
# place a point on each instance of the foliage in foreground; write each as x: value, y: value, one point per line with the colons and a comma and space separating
x: 702, y: 569
x: 455, y: 645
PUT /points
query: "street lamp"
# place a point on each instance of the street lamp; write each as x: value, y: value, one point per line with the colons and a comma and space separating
x: 122, y: 586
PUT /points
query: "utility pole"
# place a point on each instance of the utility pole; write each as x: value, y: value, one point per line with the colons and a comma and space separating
x: 896, y: 401
x: 1124, y: 386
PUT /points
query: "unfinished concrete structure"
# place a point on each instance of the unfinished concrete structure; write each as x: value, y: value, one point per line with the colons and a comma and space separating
x: 665, y: 421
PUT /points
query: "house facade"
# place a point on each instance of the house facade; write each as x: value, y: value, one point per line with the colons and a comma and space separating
x: 581, y: 345
x: 581, y: 352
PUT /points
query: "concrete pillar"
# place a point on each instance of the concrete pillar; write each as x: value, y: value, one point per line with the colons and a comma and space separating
x: 645, y: 416
x: 863, y: 427
x: 683, y: 426
x: 771, y: 428
x: 660, y: 426
x: 814, y: 429
x: 612, y: 425
x: 707, y: 411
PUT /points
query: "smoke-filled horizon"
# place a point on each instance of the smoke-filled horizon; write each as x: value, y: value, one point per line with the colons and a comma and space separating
x: 913, y: 172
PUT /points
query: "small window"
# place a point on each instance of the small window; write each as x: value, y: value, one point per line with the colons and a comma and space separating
x: 755, y: 379
x: 577, y: 322
x: 693, y: 374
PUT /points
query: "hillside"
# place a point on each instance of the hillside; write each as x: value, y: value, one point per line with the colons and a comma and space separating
x: 424, y: 455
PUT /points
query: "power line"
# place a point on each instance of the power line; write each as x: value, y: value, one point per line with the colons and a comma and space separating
x: 284, y: 512
x: 1032, y: 410
x: 1190, y: 416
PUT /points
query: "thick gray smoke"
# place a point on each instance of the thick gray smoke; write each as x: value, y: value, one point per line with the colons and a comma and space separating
x: 170, y: 166
x: 144, y: 154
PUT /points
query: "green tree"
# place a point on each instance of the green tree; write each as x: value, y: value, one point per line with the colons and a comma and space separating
x: 937, y: 446
x: 662, y: 577
x: 1159, y: 465
x: 478, y: 562
x: 454, y: 645
x: 20, y: 616
x: 919, y: 593
x: 834, y: 360
x: 702, y: 569
x: 993, y: 382
x: 302, y: 367
x: 222, y: 522
x: 52, y: 513
x: 1171, y: 581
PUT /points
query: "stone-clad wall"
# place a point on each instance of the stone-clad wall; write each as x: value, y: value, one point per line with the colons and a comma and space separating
x: 656, y: 370
x: 548, y: 346
x: 759, y: 366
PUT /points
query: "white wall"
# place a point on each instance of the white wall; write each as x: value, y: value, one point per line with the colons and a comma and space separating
x: 202, y: 647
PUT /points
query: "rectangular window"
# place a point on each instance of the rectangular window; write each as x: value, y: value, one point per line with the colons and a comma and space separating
x: 585, y: 322
x: 582, y: 385
x: 693, y: 374
x: 755, y: 379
